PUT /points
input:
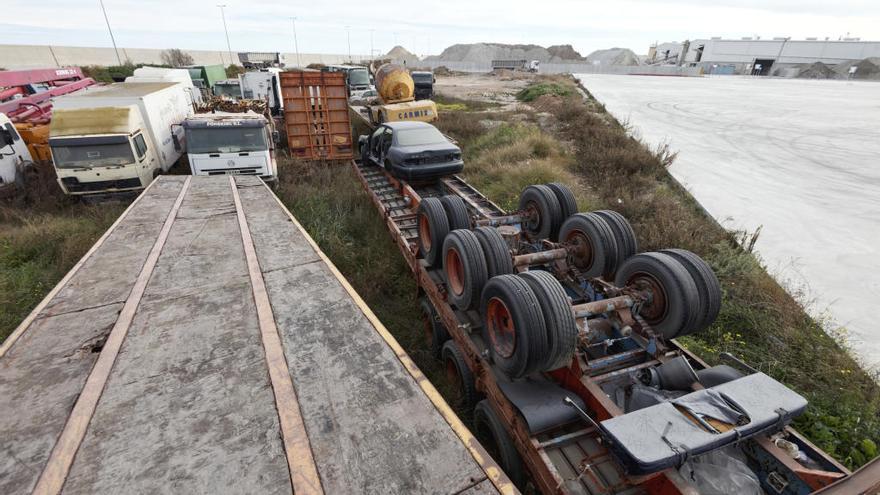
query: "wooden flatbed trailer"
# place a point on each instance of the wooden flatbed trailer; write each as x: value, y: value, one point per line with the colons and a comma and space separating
x: 205, y: 344
x: 573, y: 455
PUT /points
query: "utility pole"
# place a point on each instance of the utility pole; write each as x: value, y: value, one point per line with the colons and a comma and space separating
x: 112, y: 39
x: 348, y: 35
x: 228, y: 45
x: 295, y: 44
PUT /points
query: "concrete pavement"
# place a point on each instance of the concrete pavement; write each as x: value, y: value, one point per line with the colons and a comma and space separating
x: 799, y: 158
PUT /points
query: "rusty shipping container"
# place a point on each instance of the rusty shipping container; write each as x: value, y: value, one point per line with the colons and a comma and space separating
x: 316, y: 115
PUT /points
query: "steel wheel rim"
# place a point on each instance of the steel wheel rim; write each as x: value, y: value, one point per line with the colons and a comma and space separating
x: 655, y: 311
x: 502, y: 332
x: 454, y: 272
x: 425, y: 231
x: 533, y: 214
x: 583, y: 254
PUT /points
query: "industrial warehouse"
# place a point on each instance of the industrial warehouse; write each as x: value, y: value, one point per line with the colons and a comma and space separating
x: 299, y: 257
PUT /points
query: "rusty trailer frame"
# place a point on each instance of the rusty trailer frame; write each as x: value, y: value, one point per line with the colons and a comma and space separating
x: 570, y: 458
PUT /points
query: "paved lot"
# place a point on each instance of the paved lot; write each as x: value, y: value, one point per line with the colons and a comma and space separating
x: 800, y: 158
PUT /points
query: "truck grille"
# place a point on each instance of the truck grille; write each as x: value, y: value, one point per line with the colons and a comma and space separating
x: 232, y: 171
x: 74, y: 185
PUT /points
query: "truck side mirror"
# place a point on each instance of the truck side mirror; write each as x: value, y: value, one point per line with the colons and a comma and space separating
x: 6, y: 138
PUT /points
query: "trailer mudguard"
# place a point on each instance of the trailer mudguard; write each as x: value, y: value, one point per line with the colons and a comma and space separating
x: 662, y: 436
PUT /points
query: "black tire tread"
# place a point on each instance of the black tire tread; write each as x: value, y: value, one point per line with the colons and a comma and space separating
x: 469, y: 394
x: 439, y: 334
x: 474, y: 261
x: 456, y: 212
x: 681, y: 291
x: 551, y: 213
x: 439, y: 224
x: 510, y: 461
x: 567, y: 201
x: 601, y: 236
x: 707, y: 284
x: 561, y: 326
x: 528, y: 321
x: 627, y: 244
x: 498, y: 258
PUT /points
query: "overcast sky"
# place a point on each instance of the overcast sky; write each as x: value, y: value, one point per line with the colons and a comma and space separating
x: 425, y: 27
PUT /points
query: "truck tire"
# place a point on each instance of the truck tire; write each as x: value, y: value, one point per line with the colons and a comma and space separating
x: 365, y: 155
x: 491, y: 433
x: 561, y: 326
x: 435, y: 331
x: 433, y: 229
x: 566, y: 199
x: 542, y: 212
x: 513, y: 326
x: 458, y: 372
x: 674, y: 306
x: 498, y: 258
x: 627, y: 245
x: 456, y: 212
x: 464, y: 267
x: 592, y: 244
x: 708, y: 288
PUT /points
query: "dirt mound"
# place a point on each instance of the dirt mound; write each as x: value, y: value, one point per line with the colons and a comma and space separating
x: 613, y: 56
x: 868, y: 68
x: 485, y: 52
x: 400, y: 54
x: 564, y: 52
x: 818, y: 70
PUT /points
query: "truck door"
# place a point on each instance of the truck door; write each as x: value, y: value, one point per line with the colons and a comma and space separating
x: 385, y: 145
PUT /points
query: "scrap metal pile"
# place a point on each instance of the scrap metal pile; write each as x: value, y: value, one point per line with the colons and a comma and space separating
x: 221, y: 104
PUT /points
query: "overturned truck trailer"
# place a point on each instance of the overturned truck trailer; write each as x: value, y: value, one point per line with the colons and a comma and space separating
x: 561, y: 337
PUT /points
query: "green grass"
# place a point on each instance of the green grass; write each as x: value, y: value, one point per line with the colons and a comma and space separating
x: 549, y: 87
x: 760, y: 321
x: 38, y: 245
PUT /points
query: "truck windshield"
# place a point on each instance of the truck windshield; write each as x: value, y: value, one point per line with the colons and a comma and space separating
x: 92, y: 155
x: 421, y: 136
x: 225, y: 140
x: 423, y: 77
x: 358, y: 77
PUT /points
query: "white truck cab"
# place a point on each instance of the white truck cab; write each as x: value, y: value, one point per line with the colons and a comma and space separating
x: 117, y: 138
x: 14, y: 155
x: 223, y: 143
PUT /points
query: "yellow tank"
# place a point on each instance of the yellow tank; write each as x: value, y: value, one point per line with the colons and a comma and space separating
x: 394, y: 84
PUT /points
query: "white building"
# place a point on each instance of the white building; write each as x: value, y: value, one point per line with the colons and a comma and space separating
x: 774, y: 55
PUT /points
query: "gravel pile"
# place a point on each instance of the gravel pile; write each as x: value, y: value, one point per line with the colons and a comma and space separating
x: 818, y: 70
x: 485, y: 52
x: 613, y: 56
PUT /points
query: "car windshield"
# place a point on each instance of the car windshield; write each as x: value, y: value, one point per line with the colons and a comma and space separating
x: 358, y: 77
x: 92, y: 155
x: 225, y: 140
x: 420, y: 136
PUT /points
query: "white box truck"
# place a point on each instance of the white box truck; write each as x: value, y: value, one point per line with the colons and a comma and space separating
x: 117, y: 138
x: 164, y: 74
x: 263, y: 85
x: 222, y: 143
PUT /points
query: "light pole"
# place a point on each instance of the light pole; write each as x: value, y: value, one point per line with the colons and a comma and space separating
x: 112, y: 39
x: 295, y: 44
x: 228, y: 45
x: 348, y: 35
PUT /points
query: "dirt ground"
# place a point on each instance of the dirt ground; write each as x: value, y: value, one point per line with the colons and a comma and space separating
x: 489, y: 87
